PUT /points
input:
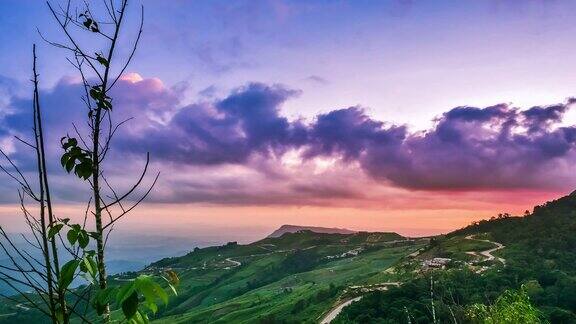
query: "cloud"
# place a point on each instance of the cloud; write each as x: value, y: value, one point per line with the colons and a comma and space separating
x: 468, y: 148
x: 248, y: 121
x: 148, y: 101
x: 240, y: 149
x: 480, y: 148
x: 317, y: 79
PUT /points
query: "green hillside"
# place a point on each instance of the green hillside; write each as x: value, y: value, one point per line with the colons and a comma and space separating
x: 294, y: 278
x: 492, y: 268
x: 538, y: 257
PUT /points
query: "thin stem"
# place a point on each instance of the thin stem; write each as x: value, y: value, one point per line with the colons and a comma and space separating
x: 37, y: 131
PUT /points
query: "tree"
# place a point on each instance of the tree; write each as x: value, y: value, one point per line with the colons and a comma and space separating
x: 83, y: 157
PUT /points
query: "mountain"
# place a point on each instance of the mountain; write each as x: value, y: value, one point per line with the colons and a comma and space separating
x: 302, y: 276
x: 297, y: 228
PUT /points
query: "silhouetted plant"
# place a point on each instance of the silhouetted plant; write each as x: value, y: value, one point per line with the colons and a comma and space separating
x: 27, y: 273
x: 83, y: 157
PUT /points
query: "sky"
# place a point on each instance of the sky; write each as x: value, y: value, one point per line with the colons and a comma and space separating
x: 411, y: 116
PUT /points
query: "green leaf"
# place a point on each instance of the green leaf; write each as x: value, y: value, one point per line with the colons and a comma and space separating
x: 72, y: 236
x: 70, y: 165
x: 87, y: 23
x: 89, y: 266
x: 150, y: 297
x: 105, y: 104
x: 152, y: 306
x: 171, y: 286
x: 139, y: 318
x: 124, y: 292
x: 151, y: 289
x: 95, y: 93
x: 130, y: 305
x: 84, y: 169
x: 65, y: 157
x: 67, y: 273
x: 102, y: 298
x: 54, y: 229
x: 83, y: 239
x: 101, y: 60
x: 72, y: 142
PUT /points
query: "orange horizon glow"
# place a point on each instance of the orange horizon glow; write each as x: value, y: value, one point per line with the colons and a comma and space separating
x: 250, y: 223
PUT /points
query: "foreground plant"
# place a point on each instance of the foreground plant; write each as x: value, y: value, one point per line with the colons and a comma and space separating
x: 83, y: 156
x: 37, y: 283
x: 512, y: 307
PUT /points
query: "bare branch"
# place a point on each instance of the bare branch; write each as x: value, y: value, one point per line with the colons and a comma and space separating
x: 135, y: 204
x: 135, y: 186
x: 133, y: 48
x: 24, y: 142
x: 76, y: 49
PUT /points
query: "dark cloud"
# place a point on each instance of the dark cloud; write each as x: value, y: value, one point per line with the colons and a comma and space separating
x: 348, y: 133
x: 467, y: 148
x: 247, y: 121
x: 480, y: 148
x: 146, y: 100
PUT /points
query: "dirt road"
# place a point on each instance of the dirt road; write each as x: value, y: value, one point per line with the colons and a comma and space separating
x: 336, y: 310
x: 487, y: 253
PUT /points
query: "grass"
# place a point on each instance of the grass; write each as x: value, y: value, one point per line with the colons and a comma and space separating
x: 230, y: 302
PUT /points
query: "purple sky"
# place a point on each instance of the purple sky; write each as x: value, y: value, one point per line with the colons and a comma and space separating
x: 323, y: 107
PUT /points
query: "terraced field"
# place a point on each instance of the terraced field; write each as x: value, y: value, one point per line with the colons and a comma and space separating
x: 297, y: 276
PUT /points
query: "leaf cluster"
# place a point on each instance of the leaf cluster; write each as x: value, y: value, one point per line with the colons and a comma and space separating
x: 76, y: 158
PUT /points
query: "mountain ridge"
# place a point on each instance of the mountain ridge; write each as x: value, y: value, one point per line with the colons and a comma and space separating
x: 289, y: 228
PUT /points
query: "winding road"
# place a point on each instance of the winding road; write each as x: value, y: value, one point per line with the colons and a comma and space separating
x: 336, y: 310
x: 487, y: 253
x: 331, y: 315
x: 236, y: 263
x: 20, y: 306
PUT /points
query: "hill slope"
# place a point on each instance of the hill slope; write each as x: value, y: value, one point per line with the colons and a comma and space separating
x: 535, y: 253
x: 295, y: 277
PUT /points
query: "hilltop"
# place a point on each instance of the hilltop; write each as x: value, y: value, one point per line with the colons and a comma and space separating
x: 297, y: 228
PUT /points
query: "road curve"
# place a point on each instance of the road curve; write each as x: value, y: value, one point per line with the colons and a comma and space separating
x: 488, y: 253
x: 236, y: 263
x: 336, y: 310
